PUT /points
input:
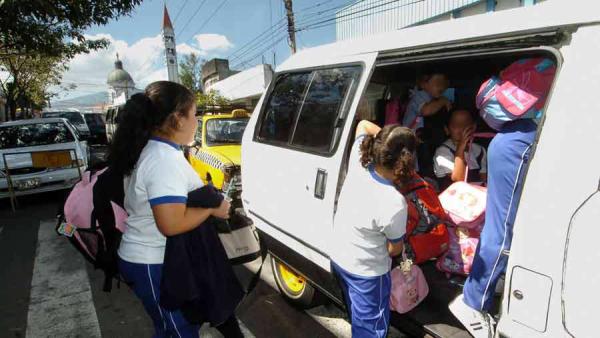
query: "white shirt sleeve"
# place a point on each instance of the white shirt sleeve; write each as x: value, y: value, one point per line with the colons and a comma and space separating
x: 394, y: 220
x: 166, y: 182
x: 443, y: 162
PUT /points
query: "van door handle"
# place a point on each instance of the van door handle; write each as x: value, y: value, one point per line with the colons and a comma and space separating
x: 320, y: 184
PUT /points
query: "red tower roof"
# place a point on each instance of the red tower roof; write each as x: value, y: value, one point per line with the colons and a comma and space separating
x: 166, y: 19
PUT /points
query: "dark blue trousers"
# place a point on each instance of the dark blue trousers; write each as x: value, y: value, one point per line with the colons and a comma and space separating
x: 145, y: 282
x: 508, y: 157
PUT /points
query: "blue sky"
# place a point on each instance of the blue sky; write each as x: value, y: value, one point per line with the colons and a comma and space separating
x: 137, y: 38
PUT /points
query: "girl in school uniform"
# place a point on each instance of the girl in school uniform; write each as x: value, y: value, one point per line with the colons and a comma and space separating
x: 371, y: 222
x: 147, y: 151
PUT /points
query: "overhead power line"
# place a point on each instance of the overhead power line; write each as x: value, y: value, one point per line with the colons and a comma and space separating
x: 192, y: 17
x: 336, y: 19
x: 180, y: 10
x: 210, y: 17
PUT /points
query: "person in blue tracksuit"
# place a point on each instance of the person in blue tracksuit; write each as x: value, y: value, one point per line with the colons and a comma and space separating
x: 508, y: 157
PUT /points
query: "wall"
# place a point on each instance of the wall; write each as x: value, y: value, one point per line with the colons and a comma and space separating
x: 378, y: 16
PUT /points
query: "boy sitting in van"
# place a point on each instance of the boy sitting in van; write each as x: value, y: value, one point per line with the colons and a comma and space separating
x: 450, y: 162
x: 427, y: 100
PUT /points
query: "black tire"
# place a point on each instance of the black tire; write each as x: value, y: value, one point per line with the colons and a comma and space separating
x: 303, y: 298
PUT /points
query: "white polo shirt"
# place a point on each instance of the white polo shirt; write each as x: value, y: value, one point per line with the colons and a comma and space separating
x: 370, y: 213
x: 443, y: 161
x: 162, y: 175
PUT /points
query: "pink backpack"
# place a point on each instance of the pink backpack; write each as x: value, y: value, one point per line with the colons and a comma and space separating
x: 461, y: 251
x: 93, y: 220
x: 394, y: 111
x: 409, y: 286
x: 519, y: 92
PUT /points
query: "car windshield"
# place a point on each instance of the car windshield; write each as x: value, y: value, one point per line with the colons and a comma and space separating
x: 94, y: 120
x: 73, y: 117
x: 225, y: 131
x: 38, y: 134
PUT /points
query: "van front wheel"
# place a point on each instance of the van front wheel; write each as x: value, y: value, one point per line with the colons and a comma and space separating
x: 295, y: 289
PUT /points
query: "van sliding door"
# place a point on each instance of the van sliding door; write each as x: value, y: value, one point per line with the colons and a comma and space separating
x: 291, y: 163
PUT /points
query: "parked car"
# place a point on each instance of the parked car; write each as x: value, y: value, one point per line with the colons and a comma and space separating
x: 112, y: 121
x: 97, y: 127
x: 47, y: 137
x: 296, y: 146
x: 74, y: 116
x: 219, y: 139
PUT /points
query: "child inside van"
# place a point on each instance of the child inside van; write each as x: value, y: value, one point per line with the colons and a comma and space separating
x: 450, y: 162
x: 427, y: 100
x: 370, y: 223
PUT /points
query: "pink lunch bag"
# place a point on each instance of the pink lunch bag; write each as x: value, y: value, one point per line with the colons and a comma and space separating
x: 409, y: 287
x: 461, y: 251
x: 465, y: 204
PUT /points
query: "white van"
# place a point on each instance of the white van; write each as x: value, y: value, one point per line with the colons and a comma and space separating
x: 295, y: 149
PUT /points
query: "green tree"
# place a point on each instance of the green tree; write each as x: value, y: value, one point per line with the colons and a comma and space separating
x: 55, y: 27
x: 190, y: 72
x: 211, y: 99
x: 29, y: 80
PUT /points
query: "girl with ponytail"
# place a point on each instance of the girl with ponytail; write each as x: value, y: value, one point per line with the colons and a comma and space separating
x: 370, y: 223
x: 147, y: 152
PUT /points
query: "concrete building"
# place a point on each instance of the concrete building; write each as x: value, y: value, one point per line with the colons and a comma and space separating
x: 170, y: 47
x: 377, y: 16
x: 246, y: 87
x: 214, y: 71
x: 120, y: 84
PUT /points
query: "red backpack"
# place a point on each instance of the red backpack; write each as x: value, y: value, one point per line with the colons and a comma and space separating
x: 426, y: 231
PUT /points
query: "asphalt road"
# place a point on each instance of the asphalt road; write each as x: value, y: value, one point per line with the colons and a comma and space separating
x: 48, y: 290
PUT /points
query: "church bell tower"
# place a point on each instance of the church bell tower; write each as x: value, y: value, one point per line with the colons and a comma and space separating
x: 170, y: 50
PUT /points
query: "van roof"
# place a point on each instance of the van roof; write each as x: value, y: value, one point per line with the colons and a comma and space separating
x: 32, y: 121
x: 548, y: 14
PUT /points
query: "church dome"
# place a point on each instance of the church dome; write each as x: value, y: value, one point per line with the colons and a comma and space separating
x: 119, y: 75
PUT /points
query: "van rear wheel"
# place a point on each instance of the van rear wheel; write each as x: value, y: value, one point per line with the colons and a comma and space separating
x: 295, y: 289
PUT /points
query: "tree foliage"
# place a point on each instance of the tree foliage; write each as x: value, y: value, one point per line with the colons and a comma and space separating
x: 29, y: 79
x: 39, y: 37
x: 55, y: 27
x: 190, y: 72
x: 211, y: 99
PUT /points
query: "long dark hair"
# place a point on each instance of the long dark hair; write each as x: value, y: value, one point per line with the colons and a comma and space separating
x: 392, y: 148
x: 145, y: 113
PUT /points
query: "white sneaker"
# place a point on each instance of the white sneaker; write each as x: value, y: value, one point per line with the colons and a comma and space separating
x: 479, y: 324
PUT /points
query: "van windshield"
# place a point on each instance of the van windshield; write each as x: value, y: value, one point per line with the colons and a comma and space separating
x: 39, y: 134
x: 225, y: 131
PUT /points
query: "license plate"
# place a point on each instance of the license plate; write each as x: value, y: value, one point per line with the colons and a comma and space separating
x: 27, y: 184
x: 51, y: 159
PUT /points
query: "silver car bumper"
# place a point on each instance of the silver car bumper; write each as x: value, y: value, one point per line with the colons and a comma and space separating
x: 49, y: 180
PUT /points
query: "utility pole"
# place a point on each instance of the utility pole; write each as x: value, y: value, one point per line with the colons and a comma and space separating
x: 291, y: 26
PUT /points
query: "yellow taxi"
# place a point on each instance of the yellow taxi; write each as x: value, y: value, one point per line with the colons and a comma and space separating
x: 216, y: 157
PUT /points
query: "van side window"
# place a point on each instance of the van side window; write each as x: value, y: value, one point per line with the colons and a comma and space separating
x: 281, y: 110
x: 321, y: 108
x: 303, y: 108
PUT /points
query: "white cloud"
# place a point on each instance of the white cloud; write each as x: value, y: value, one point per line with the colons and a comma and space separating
x: 211, y: 42
x: 144, y: 60
x: 184, y: 48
